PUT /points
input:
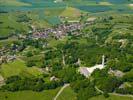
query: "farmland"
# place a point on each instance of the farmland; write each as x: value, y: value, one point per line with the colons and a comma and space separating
x: 46, y: 14
x: 29, y: 95
x: 66, y: 49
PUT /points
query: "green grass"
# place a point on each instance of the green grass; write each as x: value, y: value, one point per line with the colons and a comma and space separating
x: 7, y: 42
x: 71, y: 14
x: 53, y: 12
x: 67, y: 94
x: 29, y: 95
x: 105, y: 3
x: 10, y: 25
x: 54, y: 42
x: 70, y: 95
x: 12, y: 68
x: 111, y: 97
x: 18, y: 67
x: 33, y: 71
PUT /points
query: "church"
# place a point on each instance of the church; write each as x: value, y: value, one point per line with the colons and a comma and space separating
x: 87, y: 71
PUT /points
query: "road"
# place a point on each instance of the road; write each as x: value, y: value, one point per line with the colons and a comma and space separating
x: 65, y: 85
x: 121, y: 95
x: 113, y: 93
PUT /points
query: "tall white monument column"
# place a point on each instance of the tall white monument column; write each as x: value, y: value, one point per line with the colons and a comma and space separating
x: 103, y: 60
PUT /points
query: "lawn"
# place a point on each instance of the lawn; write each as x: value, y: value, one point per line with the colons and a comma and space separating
x: 10, y: 25
x: 67, y: 94
x: 71, y: 14
x: 29, y: 95
x: 111, y: 97
x: 70, y: 95
x: 12, y: 68
x: 105, y: 3
x: 7, y: 42
x: 54, y: 42
x: 18, y: 67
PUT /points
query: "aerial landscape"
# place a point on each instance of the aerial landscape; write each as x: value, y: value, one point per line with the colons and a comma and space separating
x: 66, y: 49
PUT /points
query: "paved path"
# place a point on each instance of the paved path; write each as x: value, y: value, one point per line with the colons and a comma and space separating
x: 126, y: 95
x: 65, y: 85
x: 98, y: 90
x: 121, y: 95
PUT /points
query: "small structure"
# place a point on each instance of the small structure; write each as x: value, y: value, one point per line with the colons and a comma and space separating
x: 56, y: 1
x: 48, y: 69
x: 84, y: 71
x: 11, y: 58
x: 116, y: 73
x: 125, y: 85
x: 88, y: 71
x: 53, y: 78
x: 92, y: 19
x: 1, y: 81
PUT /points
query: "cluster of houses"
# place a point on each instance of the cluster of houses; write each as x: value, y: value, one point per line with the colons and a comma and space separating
x: 5, y: 55
x: 62, y: 29
x: 58, y: 32
x: 6, y: 59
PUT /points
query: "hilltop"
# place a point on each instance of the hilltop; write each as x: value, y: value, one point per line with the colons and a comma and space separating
x: 13, y: 3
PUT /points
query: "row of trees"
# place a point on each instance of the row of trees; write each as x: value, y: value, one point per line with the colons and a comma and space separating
x: 16, y: 83
x: 84, y: 89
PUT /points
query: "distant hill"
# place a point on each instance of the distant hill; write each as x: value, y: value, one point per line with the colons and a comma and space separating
x: 71, y: 12
x: 13, y: 3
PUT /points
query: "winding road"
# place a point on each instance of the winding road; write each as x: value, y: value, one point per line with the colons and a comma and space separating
x: 126, y: 95
x: 65, y: 85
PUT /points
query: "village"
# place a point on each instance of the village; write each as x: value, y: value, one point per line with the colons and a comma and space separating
x: 59, y: 65
x: 57, y: 32
x: 62, y: 30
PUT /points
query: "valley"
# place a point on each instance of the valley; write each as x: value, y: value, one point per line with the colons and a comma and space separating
x: 66, y: 50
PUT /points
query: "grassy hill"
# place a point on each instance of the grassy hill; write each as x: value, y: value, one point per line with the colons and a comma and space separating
x: 29, y: 95
x: 13, y: 3
x: 70, y: 95
x: 16, y: 68
x: 67, y: 93
x: 10, y: 25
x: 71, y: 12
x: 111, y: 97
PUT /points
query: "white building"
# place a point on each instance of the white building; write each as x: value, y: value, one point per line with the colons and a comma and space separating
x: 88, y: 71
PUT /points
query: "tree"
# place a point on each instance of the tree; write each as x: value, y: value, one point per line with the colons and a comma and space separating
x: 105, y: 94
x: 128, y: 77
x: 30, y: 63
x: 29, y: 54
x: 12, y: 79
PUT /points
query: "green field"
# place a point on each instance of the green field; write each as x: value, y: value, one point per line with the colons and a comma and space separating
x: 13, y: 3
x: 16, y: 68
x: 111, y: 97
x: 71, y: 12
x: 29, y: 95
x: 67, y: 94
x: 70, y: 95
x: 9, y: 25
x: 12, y: 68
x: 46, y: 16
